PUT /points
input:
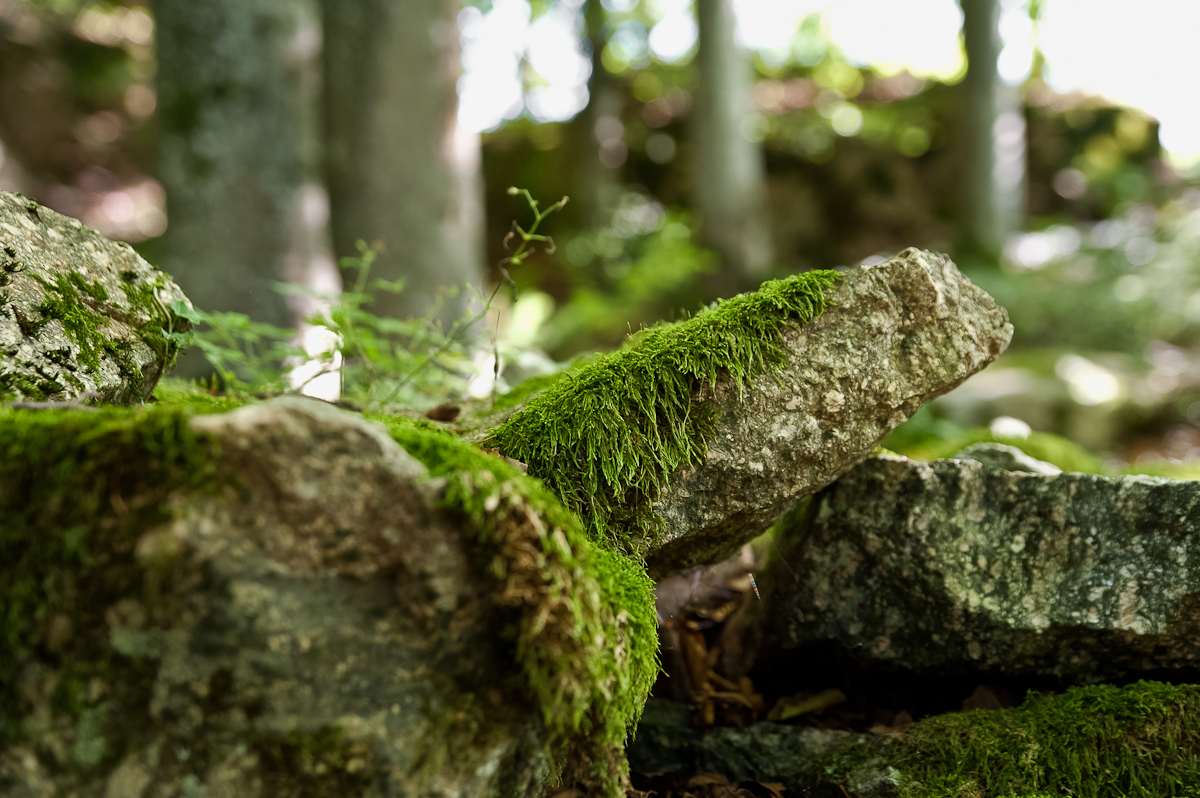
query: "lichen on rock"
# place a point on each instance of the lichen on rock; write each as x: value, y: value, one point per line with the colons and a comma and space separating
x: 957, y: 566
x: 79, y: 313
x: 283, y: 596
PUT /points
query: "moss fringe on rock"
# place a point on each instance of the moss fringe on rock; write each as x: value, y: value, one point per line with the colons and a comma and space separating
x: 586, y: 630
x: 607, y: 438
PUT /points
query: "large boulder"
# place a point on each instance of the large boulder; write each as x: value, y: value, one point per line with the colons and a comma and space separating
x: 956, y: 566
x: 280, y: 600
x: 891, y: 338
x: 79, y: 313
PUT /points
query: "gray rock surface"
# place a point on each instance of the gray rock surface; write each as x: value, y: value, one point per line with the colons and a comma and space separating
x: 813, y: 761
x: 319, y: 628
x: 78, y: 313
x: 897, y: 335
x: 957, y: 566
x: 1006, y: 458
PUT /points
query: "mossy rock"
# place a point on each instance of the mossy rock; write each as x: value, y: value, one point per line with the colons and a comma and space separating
x: 79, y: 313
x: 1095, y: 741
x: 289, y: 599
x: 698, y: 435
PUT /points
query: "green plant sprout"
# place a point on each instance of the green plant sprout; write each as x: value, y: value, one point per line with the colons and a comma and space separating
x: 523, y: 251
x: 380, y: 360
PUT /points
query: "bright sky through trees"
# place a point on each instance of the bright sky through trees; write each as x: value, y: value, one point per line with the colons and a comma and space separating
x: 1136, y: 54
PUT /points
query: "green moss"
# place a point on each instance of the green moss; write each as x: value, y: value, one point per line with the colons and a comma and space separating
x: 589, y: 656
x: 76, y: 489
x: 179, y: 393
x: 526, y: 389
x: 607, y: 438
x: 159, y: 333
x: 1140, y: 741
x: 63, y: 302
x: 1189, y: 470
x: 93, y: 289
x: 320, y: 765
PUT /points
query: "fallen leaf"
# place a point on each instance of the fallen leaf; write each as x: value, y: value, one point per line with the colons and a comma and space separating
x: 446, y: 411
x: 705, y: 779
x: 891, y: 731
x: 802, y: 703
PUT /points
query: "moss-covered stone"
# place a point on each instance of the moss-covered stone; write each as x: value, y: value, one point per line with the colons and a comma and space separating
x: 586, y: 635
x: 209, y: 602
x: 607, y: 438
x: 1099, y: 741
x: 699, y: 435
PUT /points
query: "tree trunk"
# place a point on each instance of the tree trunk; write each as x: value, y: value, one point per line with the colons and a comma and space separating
x: 995, y: 136
x: 730, y: 178
x: 601, y: 135
x: 399, y: 168
x: 238, y: 87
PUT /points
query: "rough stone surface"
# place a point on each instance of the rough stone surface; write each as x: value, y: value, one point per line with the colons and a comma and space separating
x: 954, y: 566
x: 78, y: 313
x: 317, y: 630
x: 897, y: 335
x: 787, y: 754
x: 814, y: 761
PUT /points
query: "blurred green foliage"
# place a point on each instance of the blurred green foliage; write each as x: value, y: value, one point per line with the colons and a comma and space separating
x: 638, y: 271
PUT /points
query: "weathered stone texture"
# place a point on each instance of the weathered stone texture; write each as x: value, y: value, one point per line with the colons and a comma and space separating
x: 957, y: 566
x: 78, y: 313
x: 807, y: 760
x: 320, y: 629
x: 896, y: 336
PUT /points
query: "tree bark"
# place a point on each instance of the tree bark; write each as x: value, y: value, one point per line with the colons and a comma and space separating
x: 995, y: 136
x: 238, y: 86
x: 600, y: 182
x: 399, y: 168
x: 730, y: 177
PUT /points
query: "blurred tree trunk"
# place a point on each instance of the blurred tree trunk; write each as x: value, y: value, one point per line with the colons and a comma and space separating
x: 730, y: 177
x: 399, y: 168
x: 994, y: 127
x: 601, y: 134
x: 238, y: 86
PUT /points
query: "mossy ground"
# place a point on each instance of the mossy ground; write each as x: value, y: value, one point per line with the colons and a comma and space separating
x: 1100, y: 741
x: 607, y: 438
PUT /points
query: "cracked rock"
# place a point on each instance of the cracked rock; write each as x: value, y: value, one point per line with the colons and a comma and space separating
x: 955, y: 566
